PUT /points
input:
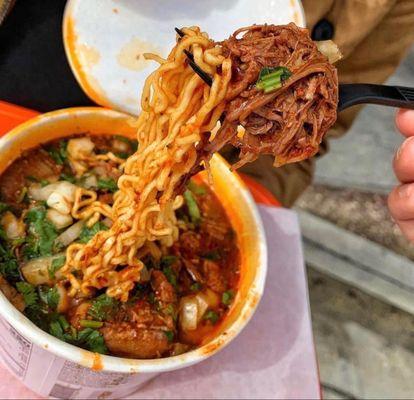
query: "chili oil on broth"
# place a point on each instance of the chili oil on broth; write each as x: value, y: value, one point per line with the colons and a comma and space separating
x: 186, y: 289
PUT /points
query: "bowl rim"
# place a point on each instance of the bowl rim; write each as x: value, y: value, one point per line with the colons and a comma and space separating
x: 125, y: 365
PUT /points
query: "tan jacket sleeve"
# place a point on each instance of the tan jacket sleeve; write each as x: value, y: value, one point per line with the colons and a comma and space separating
x: 373, y: 36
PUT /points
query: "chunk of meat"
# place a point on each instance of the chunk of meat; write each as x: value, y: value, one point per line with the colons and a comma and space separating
x: 213, y: 276
x: 106, y: 170
x: 12, y: 294
x: 189, y: 244
x: 37, y: 164
x: 125, y: 339
x: 164, y: 290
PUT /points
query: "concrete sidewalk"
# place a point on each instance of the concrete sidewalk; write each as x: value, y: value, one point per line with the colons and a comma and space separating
x: 360, y: 268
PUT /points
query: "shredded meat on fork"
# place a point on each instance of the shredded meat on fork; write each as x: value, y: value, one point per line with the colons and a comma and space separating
x: 289, y: 122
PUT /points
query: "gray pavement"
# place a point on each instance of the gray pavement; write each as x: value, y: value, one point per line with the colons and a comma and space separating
x: 360, y: 267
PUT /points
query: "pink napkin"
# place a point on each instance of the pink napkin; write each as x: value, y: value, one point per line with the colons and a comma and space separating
x: 274, y: 357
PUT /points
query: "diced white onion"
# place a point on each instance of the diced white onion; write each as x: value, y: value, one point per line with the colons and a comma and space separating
x: 36, y: 271
x: 13, y: 227
x: 329, y: 49
x: 188, y: 313
x: 58, y: 219
x: 90, y: 182
x: 212, y: 298
x: 59, y: 203
x: 67, y: 189
x: 80, y: 147
x: 71, y: 234
x: 120, y: 146
x: 202, y: 305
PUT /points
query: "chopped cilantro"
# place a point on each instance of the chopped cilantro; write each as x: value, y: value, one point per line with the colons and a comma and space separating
x: 92, y: 340
x: 28, y: 292
x: 88, y: 233
x: 53, y: 298
x: 103, y: 308
x: 56, y: 264
x: 170, y: 275
x: 171, y: 310
x: 67, y: 177
x: 211, y: 316
x: 170, y: 335
x: 41, y: 234
x: 107, y: 184
x: 195, y: 287
x: 9, y: 267
x: 60, y: 153
x: 44, y: 182
x: 56, y: 330
x: 60, y: 328
x: 167, y: 261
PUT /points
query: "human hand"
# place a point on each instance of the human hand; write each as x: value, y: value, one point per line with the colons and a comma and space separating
x: 401, y: 199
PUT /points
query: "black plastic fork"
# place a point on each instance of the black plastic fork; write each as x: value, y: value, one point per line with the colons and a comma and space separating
x: 350, y: 94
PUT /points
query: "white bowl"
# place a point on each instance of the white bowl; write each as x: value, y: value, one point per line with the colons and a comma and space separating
x: 242, y: 212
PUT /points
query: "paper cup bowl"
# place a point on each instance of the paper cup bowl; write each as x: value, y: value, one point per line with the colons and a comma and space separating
x: 233, y: 195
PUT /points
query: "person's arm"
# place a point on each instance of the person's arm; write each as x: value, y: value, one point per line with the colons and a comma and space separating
x: 401, y: 199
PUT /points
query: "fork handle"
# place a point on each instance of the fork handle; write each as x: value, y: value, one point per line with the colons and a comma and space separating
x: 365, y: 93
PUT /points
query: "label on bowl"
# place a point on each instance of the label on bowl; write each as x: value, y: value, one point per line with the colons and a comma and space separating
x: 49, y: 375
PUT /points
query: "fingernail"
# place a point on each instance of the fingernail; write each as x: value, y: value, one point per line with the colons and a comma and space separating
x: 403, y: 145
x: 405, y: 191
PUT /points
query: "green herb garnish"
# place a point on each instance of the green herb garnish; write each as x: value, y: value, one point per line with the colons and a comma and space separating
x: 88, y: 233
x: 92, y: 340
x: 67, y: 177
x: 168, y: 260
x: 196, y: 287
x: 170, y: 335
x: 41, y: 234
x: 60, y: 153
x: 49, y: 296
x: 9, y: 267
x: 170, y: 275
x: 87, y: 323
x: 103, y: 308
x: 192, y: 206
x: 196, y: 189
x: 271, y: 79
x: 107, y: 184
x: 28, y: 291
x: 57, y: 263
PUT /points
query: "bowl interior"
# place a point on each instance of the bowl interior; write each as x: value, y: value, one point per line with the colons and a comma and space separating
x: 229, y: 188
